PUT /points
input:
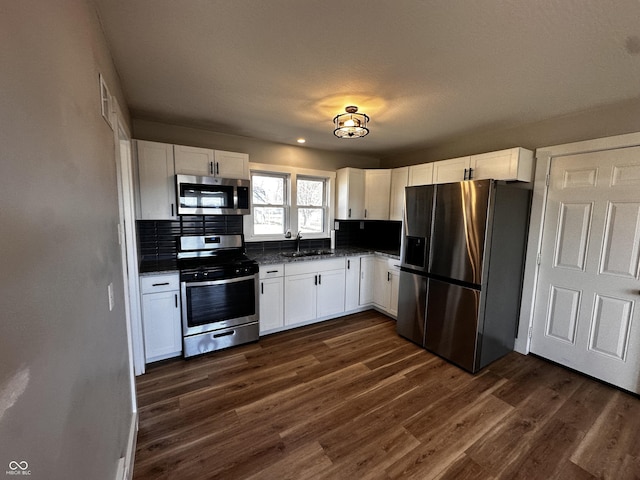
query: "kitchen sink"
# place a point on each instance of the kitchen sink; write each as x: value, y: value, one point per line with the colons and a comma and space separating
x: 306, y: 253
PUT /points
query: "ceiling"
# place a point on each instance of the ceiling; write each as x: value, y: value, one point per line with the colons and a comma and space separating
x: 423, y: 70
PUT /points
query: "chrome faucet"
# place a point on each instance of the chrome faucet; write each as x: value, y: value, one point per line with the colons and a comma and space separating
x: 298, y: 237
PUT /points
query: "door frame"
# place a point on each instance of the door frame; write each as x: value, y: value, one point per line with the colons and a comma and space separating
x: 543, y: 158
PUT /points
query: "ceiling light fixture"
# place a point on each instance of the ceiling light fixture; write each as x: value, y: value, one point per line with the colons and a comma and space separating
x: 351, y: 124
x: 301, y: 140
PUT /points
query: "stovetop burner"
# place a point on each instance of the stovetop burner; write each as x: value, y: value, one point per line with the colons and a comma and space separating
x: 214, y: 258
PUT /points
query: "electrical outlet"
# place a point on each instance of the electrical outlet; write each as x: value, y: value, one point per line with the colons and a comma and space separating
x: 110, y: 293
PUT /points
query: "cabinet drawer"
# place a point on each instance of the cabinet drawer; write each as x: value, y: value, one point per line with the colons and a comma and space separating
x: 296, y: 268
x: 271, y: 271
x: 159, y: 283
x: 393, y: 264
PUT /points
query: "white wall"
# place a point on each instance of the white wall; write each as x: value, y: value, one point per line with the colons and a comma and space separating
x: 65, y: 400
x: 604, y: 121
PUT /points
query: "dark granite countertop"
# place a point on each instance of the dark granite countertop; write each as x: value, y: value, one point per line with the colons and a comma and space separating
x: 156, y: 267
x: 277, y: 257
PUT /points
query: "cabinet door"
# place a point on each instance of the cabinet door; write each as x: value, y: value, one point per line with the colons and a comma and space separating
x: 231, y: 164
x: 452, y: 170
x: 350, y: 194
x: 300, y: 294
x: 394, y: 291
x: 331, y: 293
x: 193, y: 160
x: 381, y: 284
x: 161, y: 325
x: 271, y: 304
x: 367, y: 271
x: 399, y: 180
x: 512, y: 164
x: 156, y: 181
x: 377, y: 192
x: 421, y: 174
x: 352, y: 284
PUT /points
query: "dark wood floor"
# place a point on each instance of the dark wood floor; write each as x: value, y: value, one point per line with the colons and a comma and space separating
x: 349, y: 399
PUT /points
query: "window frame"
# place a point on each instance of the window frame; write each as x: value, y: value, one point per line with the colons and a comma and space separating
x: 286, y: 197
x: 291, y: 218
x: 323, y: 208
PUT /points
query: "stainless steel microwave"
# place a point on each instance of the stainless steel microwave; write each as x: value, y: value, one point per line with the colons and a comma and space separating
x: 204, y: 195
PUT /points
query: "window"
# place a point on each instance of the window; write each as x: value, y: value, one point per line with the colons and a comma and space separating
x: 270, y: 203
x: 311, y: 204
x: 286, y: 198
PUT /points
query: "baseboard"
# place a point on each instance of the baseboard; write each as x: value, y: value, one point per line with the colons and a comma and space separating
x: 125, y: 463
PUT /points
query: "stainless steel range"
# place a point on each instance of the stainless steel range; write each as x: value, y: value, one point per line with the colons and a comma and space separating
x: 219, y: 288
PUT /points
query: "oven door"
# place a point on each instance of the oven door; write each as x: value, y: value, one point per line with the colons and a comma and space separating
x: 212, y: 305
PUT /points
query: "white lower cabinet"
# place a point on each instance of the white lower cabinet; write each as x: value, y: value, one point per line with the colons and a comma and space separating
x: 367, y: 267
x: 386, y: 276
x: 271, y: 298
x: 313, y: 290
x: 161, y: 320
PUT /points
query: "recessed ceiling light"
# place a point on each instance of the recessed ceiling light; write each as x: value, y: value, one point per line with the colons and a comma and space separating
x: 301, y: 140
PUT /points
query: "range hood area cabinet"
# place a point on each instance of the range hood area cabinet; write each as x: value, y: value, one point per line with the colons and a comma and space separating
x: 204, y: 161
x: 514, y: 164
x: 158, y: 163
x: 362, y: 194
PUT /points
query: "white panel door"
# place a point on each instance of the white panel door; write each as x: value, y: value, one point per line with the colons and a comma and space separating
x: 300, y: 294
x: 587, y: 309
x: 331, y: 286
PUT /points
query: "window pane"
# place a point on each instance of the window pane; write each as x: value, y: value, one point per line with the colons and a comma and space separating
x: 310, y: 193
x: 310, y: 219
x: 268, y: 220
x: 267, y: 190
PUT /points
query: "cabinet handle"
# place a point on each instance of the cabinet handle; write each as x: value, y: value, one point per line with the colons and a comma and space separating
x: 349, y: 213
x: 465, y: 174
x: 262, y: 288
x: 159, y: 284
x: 365, y: 213
x: 172, y: 210
x: 176, y: 297
x: 217, y: 168
x: 315, y: 280
x: 272, y: 271
x: 348, y: 264
x: 319, y: 279
x: 210, y: 168
x: 388, y: 276
x: 470, y: 173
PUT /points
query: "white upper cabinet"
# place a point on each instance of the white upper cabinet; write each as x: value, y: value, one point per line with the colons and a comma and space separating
x: 350, y: 194
x: 421, y: 174
x: 452, y: 170
x: 377, y: 191
x: 156, y: 181
x: 399, y: 180
x: 231, y: 164
x: 204, y: 161
x: 193, y: 160
x: 512, y: 164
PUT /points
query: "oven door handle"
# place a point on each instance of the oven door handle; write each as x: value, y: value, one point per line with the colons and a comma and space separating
x: 220, y: 281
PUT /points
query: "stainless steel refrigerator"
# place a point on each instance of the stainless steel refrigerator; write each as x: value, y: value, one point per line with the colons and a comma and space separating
x: 473, y: 276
